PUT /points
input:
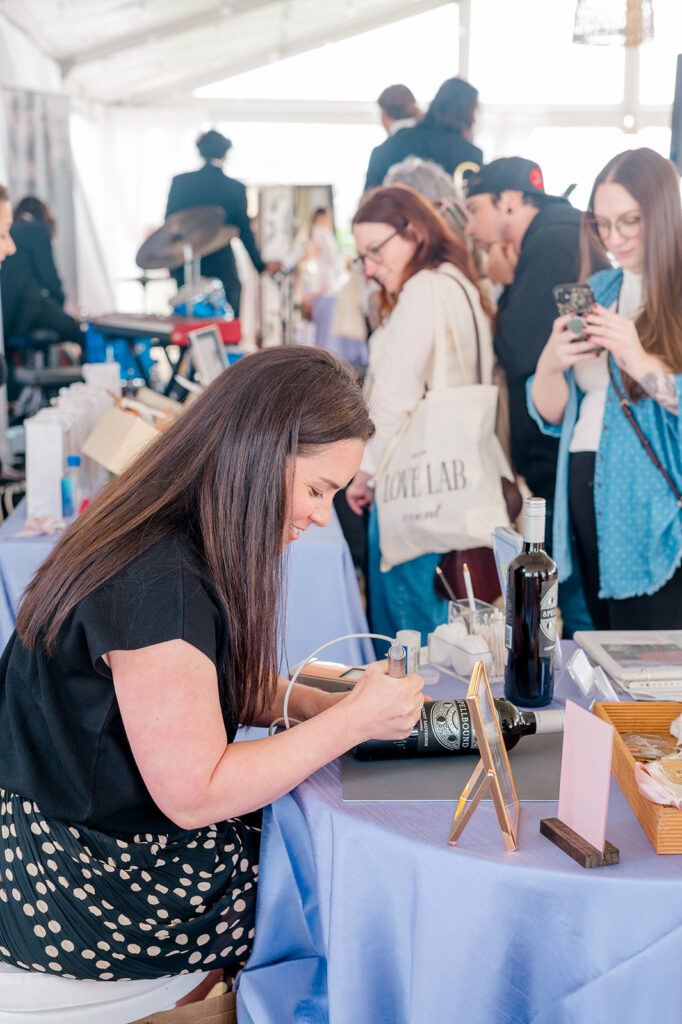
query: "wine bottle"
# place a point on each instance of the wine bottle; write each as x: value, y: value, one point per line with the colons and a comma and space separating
x: 445, y: 727
x: 530, y: 614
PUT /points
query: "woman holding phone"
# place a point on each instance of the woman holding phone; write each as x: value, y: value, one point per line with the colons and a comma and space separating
x: 619, y: 476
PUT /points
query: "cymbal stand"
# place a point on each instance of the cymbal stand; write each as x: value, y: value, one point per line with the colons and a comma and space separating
x: 191, y: 265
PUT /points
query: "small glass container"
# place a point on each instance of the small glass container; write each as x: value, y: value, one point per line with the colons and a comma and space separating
x: 458, y: 654
x: 487, y: 621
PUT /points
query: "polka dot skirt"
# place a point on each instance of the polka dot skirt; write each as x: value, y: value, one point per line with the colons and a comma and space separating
x: 85, y: 904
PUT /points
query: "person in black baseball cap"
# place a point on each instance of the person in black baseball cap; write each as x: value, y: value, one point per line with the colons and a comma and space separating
x: 509, y: 172
x: 511, y: 191
x: 538, y: 236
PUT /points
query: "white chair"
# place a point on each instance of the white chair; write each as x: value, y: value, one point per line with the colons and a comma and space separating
x: 27, y: 997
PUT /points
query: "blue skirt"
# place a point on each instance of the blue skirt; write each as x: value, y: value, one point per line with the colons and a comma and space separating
x: 90, y: 905
x: 403, y: 597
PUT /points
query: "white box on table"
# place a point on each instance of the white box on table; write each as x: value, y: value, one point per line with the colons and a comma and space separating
x: 45, y: 458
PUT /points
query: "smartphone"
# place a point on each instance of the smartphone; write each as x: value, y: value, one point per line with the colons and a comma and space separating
x: 577, y: 299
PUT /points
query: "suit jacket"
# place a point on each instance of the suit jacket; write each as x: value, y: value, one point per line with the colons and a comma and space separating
x: 210, y: 187
x: 445, y: 146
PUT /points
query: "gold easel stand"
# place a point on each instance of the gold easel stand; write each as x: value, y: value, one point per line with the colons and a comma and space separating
x: 493, y: 771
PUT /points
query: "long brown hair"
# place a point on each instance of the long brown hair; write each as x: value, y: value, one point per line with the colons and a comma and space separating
x: 416, y: 220
x: 654, y: 184
x: 218, y: 475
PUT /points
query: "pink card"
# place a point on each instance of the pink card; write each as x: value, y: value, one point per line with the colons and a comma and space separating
x: 585, y: 774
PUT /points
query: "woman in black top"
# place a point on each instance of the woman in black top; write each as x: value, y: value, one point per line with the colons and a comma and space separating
x: 143, y: 641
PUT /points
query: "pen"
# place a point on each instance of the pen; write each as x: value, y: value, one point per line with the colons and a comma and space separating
x: 444, y: 580
x: 469, y: 589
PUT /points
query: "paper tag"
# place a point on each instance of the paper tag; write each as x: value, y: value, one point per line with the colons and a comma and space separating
x: 585, y: 774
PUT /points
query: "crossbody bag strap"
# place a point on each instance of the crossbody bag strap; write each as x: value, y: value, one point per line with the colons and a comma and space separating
x: 624, y: 403
x: 438, y: 368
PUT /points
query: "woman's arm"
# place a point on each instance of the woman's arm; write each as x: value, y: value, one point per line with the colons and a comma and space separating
x: 304, y: 702
x: 619, y: 335
x: 168, y: 698
x: 399, y: 369
x: 562, y: 351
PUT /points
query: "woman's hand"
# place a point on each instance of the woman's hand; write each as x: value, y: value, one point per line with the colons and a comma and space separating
x: 502, y: 260
x: 359, y: 494
x: 562, y: 351
x: 618, y: 335
x: 385, y: 708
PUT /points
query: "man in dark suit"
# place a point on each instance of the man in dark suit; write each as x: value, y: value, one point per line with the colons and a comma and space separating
x: 210, y: 187
x: 443, y: 136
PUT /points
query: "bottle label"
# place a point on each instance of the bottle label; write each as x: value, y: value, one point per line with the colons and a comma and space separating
x: 548, y: 602
x: 509, y: 613
x: 446, y: 723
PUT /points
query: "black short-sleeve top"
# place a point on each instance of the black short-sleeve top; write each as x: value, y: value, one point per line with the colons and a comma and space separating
x: 63, y: 741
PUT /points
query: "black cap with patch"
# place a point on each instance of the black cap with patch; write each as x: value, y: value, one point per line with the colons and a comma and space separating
x: 509, y: 172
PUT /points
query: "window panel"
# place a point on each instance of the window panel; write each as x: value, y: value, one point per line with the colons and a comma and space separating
x: 523, y: 53
x: 658, y: 58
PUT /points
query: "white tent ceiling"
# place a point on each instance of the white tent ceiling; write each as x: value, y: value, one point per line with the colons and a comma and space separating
x: 157, y: 51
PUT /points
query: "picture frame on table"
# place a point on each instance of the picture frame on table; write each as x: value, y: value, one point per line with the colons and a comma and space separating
x: 208, y: 353
x: 493, y: 771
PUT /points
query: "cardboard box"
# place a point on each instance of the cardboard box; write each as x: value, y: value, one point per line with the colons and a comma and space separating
x: 118, y: 438
x: 220, y: 1009
x: 663, y: 825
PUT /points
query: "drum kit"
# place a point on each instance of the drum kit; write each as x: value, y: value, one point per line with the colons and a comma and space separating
x: 182, y: 241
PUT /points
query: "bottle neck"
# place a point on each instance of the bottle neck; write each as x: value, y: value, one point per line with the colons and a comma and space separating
x: 533, y: 545
x: 534, y: 531
x: 544, y: 721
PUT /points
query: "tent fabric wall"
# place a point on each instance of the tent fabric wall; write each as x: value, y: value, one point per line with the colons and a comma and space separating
x: 24, y: 66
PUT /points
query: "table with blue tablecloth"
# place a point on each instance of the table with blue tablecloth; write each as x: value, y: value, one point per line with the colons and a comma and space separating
x: 323, y: 600
x: 367, y: 916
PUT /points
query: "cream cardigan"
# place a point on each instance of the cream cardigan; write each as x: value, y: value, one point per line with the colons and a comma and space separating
x: 401, y: 351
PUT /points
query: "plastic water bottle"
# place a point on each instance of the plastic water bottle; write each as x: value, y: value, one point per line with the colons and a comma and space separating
x: 71, y: 496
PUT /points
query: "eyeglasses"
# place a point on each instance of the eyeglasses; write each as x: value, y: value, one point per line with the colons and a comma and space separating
x: 374, y: 252
x: 628, y: 226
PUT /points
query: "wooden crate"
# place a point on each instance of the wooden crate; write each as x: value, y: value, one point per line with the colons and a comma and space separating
x: 663, y: 825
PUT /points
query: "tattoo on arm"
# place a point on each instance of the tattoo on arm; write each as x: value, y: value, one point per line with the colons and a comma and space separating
x: 661, y: 387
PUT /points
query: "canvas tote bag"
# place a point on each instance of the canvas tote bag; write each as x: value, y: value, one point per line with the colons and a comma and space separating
x: 438, y: 486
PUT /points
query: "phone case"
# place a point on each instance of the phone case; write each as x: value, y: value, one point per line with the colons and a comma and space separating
x: 573, y: 298
x: 577, y: 299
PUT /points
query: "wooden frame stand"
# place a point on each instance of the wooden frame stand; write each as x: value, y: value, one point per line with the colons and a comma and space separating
x: 587, y: 855
x: 493, y: 771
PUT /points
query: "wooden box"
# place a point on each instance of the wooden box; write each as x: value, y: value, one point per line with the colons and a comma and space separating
x: 663, y: 825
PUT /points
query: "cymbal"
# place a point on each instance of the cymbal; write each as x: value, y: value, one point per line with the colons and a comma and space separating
x: 201, y: 227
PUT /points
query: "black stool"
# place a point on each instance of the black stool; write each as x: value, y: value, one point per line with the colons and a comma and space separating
x: 33, y: 372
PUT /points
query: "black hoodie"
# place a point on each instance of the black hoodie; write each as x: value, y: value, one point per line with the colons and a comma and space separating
x: 549, y: 256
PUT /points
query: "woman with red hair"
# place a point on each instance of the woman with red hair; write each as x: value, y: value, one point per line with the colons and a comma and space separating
x: 406, y: 247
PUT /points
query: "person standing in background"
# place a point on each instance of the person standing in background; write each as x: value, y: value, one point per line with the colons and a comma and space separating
x: 540, y: 236
x: 33, y: 296
x: 444, y: 136
x: 209, y: 186
x: 398, y: 109
x: 422, y: 268
x: 7, y: 246
x: 618, y: 505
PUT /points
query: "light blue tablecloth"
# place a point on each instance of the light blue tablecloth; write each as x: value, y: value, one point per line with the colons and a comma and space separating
x: 366, y: 916
x: 323, y: 599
